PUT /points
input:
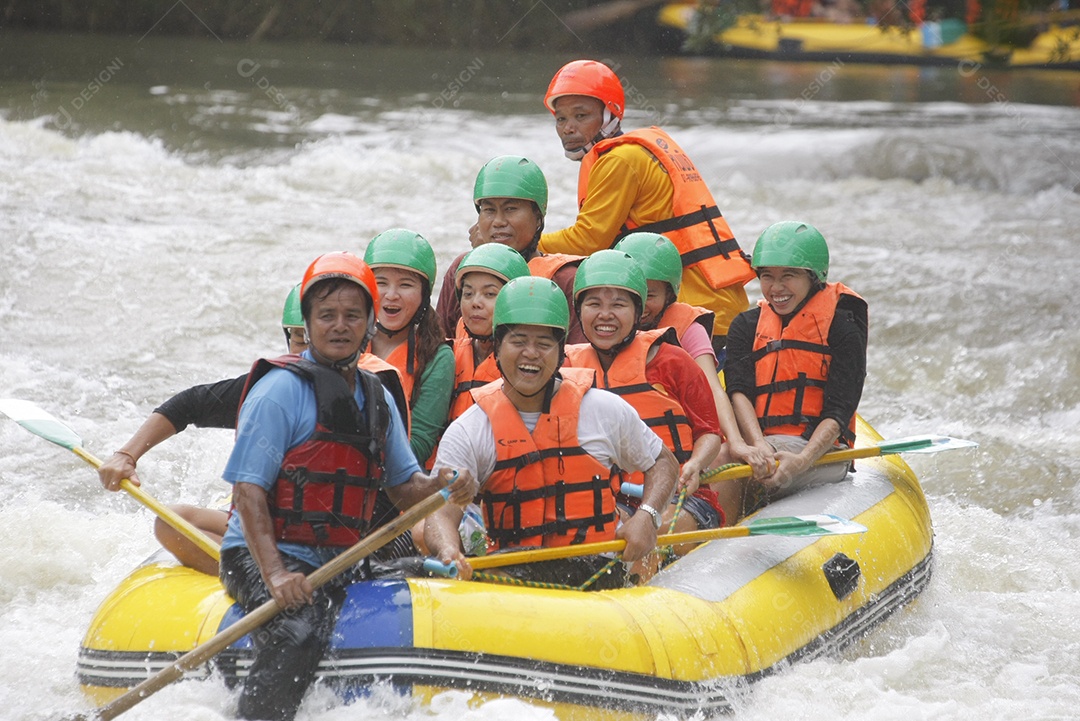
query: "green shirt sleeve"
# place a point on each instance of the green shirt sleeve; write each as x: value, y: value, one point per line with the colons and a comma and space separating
x: 432, y: 403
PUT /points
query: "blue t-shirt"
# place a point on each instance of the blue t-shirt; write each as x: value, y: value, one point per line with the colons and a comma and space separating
x: 279, y: 414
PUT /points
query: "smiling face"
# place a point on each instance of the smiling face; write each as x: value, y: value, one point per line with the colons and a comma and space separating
x: 338, y: 322
x: 784, y: 288
x: 654, y: 303
x: 528, y: 357
x: 478, y: 293
x: 607, y: 316
x: 578, y: 118
x: 400, y: 294
x: 510, y: 221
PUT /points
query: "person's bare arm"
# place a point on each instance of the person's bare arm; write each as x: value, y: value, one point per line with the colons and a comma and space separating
x: 121, y: 464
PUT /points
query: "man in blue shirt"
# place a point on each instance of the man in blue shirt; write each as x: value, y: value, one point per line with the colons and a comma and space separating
x: 316, y: 439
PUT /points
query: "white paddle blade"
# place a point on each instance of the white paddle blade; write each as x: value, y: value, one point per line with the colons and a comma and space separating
x: 944, y: 443
x: 40, y: 423
x: 834, y: 524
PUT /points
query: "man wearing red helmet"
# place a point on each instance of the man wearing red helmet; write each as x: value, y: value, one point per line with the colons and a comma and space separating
x: 642, y: 181
x: 316, y: 439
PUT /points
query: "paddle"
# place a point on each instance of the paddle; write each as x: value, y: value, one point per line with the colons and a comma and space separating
x: 911, y: 444
x: 813, y: 525
x: 259, y: 616
x: 40, y: 423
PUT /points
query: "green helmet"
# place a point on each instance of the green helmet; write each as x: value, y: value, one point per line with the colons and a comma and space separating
x: 400, y: 248
x: 610, y: 268
x: 792, y: 244
x: 495, y: 258
x: 291, y: 317
x: 658, y: 257
x: 531, y: 301
x: 511, y: 176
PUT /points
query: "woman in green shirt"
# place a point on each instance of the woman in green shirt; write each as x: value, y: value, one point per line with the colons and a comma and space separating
x: 409, y: 335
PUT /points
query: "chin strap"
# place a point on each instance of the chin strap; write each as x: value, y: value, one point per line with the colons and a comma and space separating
x: 387, y: 332
x: 480, y: 338
x: 345, y: 364
x: 610, y: 129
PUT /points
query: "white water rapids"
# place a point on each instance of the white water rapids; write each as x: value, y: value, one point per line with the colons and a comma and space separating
x: 148, y: 246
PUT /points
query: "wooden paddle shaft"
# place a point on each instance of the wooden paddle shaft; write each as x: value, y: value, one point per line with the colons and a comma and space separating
x: 204, y: 652
x: 549, y: 554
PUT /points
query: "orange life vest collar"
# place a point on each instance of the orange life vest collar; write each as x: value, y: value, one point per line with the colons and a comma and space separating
x: 546, y: 266
x: 681, y: 316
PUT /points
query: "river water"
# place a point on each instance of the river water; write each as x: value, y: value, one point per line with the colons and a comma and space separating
x: 159, y: 197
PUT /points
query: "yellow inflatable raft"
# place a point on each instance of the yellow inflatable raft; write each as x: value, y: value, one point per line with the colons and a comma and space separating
x: 725, y: 615
x: 932, y: 43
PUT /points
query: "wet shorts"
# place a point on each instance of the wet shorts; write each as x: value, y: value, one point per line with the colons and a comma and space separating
x: 703, y: 512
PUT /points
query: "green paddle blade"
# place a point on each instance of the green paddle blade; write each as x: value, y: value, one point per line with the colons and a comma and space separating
x: 819, y: 525
x: 924, y: 444
x: 40, y: 423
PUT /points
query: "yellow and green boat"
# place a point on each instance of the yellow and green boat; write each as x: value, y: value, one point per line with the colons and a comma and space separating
x: 725, y: 615
x: 1056, y: 42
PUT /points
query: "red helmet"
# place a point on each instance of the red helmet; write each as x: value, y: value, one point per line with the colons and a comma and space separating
x: 342, y: 264
x: 590, y: 78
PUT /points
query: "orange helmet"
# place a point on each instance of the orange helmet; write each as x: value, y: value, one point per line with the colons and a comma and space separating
x: 590, y: 78
x: 343, y: 264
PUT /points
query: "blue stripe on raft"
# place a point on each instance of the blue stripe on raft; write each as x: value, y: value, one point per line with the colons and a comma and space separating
x: 234, y: 614
x: 377, y: 614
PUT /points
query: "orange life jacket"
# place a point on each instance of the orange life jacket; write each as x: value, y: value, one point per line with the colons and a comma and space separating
x: 546, y: 266
x: 405, y: 383
x: 468, y: 375
x: 791, y: 365
x: 626, y: 378
x: 399, y: 359
x: 545, y: 489
x: 393, y: 380
x: 696, y: 226
x: 681, y: 316
x: 327, y: 487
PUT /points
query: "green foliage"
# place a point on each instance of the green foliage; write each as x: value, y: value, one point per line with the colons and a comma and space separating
x: 1000, y: 22
x: 712, y: 18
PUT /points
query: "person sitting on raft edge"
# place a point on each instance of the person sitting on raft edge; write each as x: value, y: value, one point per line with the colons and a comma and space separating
x: 797, y: 363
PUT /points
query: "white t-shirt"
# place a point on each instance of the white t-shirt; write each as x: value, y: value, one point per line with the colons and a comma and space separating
x: 609, y: 430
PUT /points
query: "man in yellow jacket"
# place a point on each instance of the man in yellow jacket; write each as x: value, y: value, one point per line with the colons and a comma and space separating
x: 642, y: 181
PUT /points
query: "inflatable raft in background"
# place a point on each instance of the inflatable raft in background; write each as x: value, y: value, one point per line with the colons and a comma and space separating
x: 944, y: 42
x: 727, y: 614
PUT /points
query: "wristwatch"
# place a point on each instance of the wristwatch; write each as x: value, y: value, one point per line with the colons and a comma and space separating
x: 652, y: 512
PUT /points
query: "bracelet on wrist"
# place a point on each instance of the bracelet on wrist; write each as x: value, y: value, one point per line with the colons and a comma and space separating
x: 134, y: 461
